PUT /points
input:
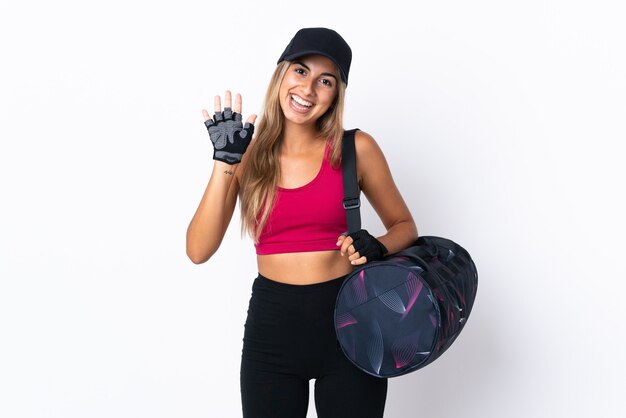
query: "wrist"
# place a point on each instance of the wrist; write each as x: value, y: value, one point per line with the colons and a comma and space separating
x: 224, y: 169
x: 384, y: 251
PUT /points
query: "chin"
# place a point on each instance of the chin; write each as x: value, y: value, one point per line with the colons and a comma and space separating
x: 294, y: 117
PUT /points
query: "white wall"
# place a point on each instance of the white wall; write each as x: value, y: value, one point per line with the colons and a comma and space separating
x: 501, y: 121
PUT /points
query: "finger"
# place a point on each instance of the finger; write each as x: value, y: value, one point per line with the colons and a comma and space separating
x: 355, y: 255
x: 340, y: 239
x: 344, y: 246
x: 352, y: 251
x: 247, y: 130
x: 206, y: 115
x: 227, y: 99
x: 359, y: 261
x: 251, y: 119
x: 237, y: 107
x: 217, y: 104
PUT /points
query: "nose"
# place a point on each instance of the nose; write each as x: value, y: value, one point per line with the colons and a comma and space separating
x: 308, y: 86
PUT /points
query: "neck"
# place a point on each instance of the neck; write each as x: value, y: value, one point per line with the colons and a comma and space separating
x: 299, y: 138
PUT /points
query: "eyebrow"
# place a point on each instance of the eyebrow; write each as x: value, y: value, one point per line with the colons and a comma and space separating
x: 305, y: 66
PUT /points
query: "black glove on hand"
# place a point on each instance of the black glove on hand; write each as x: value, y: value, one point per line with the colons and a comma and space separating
x: 229, y: 136
x: 368, y: 246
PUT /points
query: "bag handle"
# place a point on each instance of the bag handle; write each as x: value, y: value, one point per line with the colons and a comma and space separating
x: 351, y: 192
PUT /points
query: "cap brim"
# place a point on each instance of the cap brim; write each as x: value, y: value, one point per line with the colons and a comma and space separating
x: 299, y: 54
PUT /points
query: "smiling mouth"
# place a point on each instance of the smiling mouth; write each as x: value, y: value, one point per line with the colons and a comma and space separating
x: 299, y: 103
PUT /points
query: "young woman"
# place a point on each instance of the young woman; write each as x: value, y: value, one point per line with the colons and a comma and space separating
x: 290, y: 187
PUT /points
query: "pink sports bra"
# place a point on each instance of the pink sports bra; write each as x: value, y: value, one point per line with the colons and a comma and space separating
x: 307, y: 218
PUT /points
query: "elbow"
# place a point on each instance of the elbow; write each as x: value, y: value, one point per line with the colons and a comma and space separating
x: 197, y: 258
x: 199, y: 255
x: 199, y: 249
x: 416, y: 234
x: 411, y: 230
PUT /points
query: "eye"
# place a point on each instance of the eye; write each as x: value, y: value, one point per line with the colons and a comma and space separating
x: 299, y: 70
x: 327, y: 82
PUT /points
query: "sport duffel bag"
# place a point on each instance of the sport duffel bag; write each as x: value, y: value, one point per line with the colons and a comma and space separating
x: 397, y: 315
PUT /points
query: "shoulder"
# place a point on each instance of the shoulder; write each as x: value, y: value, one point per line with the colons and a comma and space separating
x: 367, y: 148
x: 363, y: 139
x: 370, y: 159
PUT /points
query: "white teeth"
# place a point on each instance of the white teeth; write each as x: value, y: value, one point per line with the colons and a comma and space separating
x: 301, y: 101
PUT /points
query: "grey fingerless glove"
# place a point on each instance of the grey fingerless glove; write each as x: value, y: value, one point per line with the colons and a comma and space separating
x: 229, y: 136
x: 368, y: 246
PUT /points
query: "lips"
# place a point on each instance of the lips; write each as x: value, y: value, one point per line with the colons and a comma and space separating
x: 298, y: 104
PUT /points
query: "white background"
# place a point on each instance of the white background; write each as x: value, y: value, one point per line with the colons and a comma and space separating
x: 502, y: 122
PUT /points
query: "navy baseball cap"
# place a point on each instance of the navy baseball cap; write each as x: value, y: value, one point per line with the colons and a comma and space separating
x: 321, y: 41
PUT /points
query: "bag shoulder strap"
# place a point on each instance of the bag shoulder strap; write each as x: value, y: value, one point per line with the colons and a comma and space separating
x: 351, y: 200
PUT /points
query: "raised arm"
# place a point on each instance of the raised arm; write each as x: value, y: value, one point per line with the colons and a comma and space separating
x: 230, y: 140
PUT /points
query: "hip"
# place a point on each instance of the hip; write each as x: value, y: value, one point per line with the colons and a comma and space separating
x: 286, y: 321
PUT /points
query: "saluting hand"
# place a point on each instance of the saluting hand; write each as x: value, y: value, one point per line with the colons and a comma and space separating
x: 229, y: 136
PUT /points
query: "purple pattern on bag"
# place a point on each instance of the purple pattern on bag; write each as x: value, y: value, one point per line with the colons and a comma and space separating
x: 345, y: 319
x: 358, y: 292
x: 414, y: 287
x: 400, y: 314
x: 375, y: 347
x: 393, y: 301
x: 404, y: 349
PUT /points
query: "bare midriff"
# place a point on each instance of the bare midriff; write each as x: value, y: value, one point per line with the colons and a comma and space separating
x: 304, y: 268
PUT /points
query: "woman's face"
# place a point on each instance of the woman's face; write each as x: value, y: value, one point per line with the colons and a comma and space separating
x: 308, y: 89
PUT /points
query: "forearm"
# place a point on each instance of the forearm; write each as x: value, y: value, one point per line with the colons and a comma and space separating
x: 209, y: 223
x: 399, y: 236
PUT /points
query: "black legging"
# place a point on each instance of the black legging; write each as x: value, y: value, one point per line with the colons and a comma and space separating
x: 289, y: 339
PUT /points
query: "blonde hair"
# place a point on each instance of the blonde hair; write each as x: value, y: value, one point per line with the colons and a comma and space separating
x: 261, y: 173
